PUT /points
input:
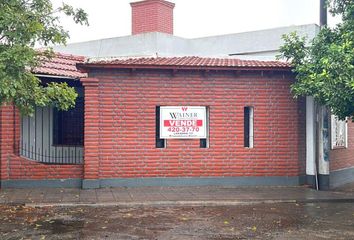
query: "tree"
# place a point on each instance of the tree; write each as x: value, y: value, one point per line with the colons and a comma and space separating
x: 324, y: 67
x: 23, y: 25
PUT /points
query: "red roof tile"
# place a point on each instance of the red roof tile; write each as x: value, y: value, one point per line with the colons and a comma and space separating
x: 62, y: 65
x: 187, y: 62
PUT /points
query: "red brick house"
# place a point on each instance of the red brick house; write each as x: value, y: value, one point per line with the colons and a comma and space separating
x: 144, y: 121
x: 255, y: 128
x: 130, y: 93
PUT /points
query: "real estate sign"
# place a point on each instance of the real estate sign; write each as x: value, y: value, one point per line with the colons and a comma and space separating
x: 182, y: 122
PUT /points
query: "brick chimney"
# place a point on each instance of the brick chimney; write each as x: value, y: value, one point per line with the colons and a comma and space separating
x: 152, y: 16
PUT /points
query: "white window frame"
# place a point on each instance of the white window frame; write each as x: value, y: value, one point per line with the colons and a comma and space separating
x: 334, y: 124
x: 207, y: 113
x: 251, y: 127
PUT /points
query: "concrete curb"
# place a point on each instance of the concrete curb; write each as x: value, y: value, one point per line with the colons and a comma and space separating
x: 161, y: 203
x: 186, y: 203
x: 328, y: 200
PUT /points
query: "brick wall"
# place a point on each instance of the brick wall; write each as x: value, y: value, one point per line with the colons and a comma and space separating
x: 344, y: 158
x: 152, y: 16
x: 122, y: 128
x: 91, y: 134
x: 127, y: 125
x: 15, y: 167
x: 20, y: 168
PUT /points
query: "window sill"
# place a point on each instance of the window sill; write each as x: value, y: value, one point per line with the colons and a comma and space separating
x: 338, y: 148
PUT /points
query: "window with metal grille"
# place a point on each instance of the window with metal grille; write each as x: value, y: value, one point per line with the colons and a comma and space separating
x: 68, y: 126
x: 339, y: 133
x: 55, y: 137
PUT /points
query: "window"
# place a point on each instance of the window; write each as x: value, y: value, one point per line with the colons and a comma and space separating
x: 248, y: 127
x: 160, y: 143
x: 339, y: 133
x: 55, y: 137
x: 68, y: 126
x: 204, y: 142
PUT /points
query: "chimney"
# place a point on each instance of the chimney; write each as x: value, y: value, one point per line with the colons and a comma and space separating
x: 152, y: 16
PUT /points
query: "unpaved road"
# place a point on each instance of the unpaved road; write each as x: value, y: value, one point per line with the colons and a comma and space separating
x: 265, y: 221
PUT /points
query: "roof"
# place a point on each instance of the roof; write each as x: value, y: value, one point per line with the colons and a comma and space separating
x: 169, y: 4
x: 185, y: 63
x: 62, y: 65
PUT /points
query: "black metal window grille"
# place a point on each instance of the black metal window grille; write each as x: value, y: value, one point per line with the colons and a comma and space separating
x: 68, y: 126
x: 38, y: 140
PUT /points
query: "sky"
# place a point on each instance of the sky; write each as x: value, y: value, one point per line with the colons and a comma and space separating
x: 194, y: 18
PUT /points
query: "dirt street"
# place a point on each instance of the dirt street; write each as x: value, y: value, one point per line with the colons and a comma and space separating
x: 266, y: 221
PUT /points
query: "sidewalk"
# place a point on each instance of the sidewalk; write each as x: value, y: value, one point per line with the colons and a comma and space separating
x: 186, y: 196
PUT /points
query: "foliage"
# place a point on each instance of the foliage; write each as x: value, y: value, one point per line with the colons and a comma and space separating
x: 324, y: 67
x: 23, y: 25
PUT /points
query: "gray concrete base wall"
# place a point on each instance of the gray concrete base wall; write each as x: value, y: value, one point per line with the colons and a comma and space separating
x: 141, y: 182
x: 340, y: 177
x: 229, y: 181
x: 53, y: 183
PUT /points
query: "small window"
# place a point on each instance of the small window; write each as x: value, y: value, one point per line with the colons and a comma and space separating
x: 68, y: 126
x: 160, y: 143
x: 204, y: 142
x: 248, y: 127
x: 339, y: 133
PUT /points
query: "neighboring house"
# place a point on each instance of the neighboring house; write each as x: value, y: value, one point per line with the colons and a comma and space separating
x: 260, y: 45
x: 176, y: 120
x: 152, y: 35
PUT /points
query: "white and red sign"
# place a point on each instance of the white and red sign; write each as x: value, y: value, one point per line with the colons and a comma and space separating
x: 182, y: 122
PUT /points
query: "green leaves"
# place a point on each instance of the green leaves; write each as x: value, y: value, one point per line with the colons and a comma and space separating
x: 60, y: 95
x: 78, y: 15
x: 295, y: 49
x: 23, y: 25
x: 325, y: 68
